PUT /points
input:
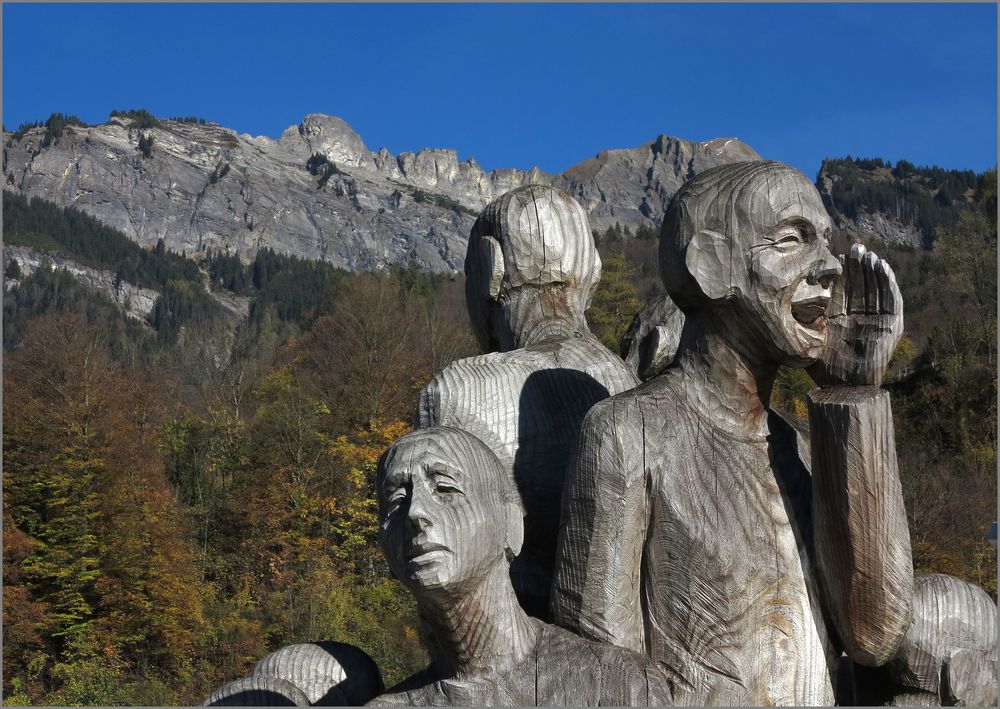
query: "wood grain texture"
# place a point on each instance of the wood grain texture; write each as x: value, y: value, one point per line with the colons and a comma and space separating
x: 306, y: 674
x: 562, y: 670
x: 692, y: 545
x: 258, y: 692
x: 449, y: 525
x: 861, y: 533
x: 329, y: 673
x: 650, y: 343
x: 532, y: 268
x: 948, y: 656
x: 688, y: 515
x: 534, y: 239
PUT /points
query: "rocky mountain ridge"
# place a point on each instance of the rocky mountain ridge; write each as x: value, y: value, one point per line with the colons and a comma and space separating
x: 317, y: 191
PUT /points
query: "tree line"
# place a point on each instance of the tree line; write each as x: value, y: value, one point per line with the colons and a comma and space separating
x: 926, y: 197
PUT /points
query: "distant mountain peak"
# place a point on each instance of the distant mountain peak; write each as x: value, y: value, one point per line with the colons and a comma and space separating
x: 319, y: 192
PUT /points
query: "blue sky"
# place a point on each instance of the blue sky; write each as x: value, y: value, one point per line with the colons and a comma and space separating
x: 520, y: 85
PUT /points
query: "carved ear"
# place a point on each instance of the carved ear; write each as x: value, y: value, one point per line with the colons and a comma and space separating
x: 494, y: 267
x: 709, y: 261
x: 515, y: 528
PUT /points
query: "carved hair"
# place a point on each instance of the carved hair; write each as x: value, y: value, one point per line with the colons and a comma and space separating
x: 531, y: 236
x: 726, y: 203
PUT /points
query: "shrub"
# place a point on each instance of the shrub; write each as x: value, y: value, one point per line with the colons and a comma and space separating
x: 140, y: 117
x: 146, y: 145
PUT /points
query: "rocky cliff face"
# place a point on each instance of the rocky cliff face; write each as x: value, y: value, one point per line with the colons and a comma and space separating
x: 204, y: 187
x: 136, y: 302
x: 868, y: 222
x: 900, y: 205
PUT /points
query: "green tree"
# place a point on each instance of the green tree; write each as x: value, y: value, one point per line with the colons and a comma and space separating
x: 146, y: 145
x: 615, y: 303
x: 945, y: 410
x: 108, y: 555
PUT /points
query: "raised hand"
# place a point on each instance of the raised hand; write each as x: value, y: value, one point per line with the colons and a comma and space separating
x: 864, y: 321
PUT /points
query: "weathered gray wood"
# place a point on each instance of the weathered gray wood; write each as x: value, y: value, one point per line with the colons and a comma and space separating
x: 258, y: 691
x: 650, y: 343
x: 864, y: 322
x: 450, y: 522
x: 306, y: 674
x: 861, y: 533
x: 329, y: 673
x: 532, y: 269
x: 687, y: 518
x: 948, y: 656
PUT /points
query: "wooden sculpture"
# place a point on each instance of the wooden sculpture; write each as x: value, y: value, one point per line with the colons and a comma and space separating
x: 450, y: 523
x: 324, y: 674
x: 531, y: 271
x: 258, y: 691
x: 692, y: 530
x: 948, y: 656
x: 650, y: 343
x: 710, y: 551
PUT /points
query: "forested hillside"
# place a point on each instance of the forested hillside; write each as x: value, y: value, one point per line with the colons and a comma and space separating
x: 181, y: 498
x: 898, y: 203
x: 176, y: 507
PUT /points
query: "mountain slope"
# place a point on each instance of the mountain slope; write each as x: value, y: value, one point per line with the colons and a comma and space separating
x: 317, y: 192
x: 901, y: 205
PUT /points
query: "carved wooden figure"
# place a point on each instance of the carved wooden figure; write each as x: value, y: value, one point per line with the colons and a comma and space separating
x: 650, y: 343
x: 692, y: 529
x: 532, y: 269
x: 258, y: 691
x: 306, y: 674
x: 948, y: 656
x: 450, y: 523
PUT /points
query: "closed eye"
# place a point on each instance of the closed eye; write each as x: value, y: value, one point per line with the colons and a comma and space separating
x: 787, y: 239
x: 444, y: 482
x: 396, y: 499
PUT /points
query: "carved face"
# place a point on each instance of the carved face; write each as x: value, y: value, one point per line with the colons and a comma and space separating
x: 443, y: 519
x: 789, y: 269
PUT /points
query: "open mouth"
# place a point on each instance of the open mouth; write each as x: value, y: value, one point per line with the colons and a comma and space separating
x: 811, y: 312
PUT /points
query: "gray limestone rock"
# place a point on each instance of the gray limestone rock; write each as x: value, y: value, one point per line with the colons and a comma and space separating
x: 137, y: 301
x: 869, y: 223
x: 204, y: 187
x: 634, y: 186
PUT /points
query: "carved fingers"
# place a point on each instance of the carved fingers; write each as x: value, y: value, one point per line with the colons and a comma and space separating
x: 865, y: 319
x: 838, y: 293
x: 870, y: 285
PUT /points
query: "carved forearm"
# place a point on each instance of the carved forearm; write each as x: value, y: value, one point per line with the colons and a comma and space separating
x: 861, y: 535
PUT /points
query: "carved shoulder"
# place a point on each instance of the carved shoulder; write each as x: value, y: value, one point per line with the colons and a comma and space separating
x: 605, y: 518
x: 611, y: 444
